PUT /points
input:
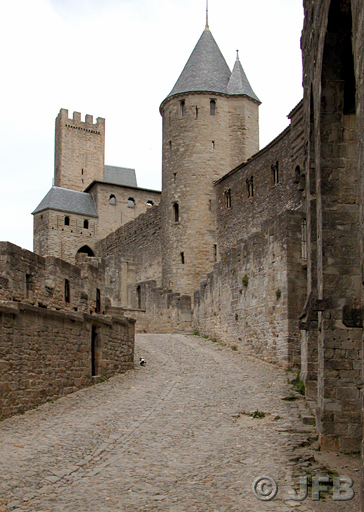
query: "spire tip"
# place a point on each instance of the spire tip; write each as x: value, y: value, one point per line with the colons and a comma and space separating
x: 207, y: 15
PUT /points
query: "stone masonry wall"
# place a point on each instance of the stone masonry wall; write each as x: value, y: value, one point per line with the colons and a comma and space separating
x: 157, y: 310
x: 120, y: 210
x: 198, y: 148
x: 47, y: 354
x: 254, y: 296
x: 239, y: 215
x: 79, y: 151
x: 53, y: 238
x: 138, y: 242
x: 332, y: 45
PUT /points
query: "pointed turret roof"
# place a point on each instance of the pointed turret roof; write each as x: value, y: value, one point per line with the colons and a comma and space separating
x: 238, y: 83
x: 206, y: 69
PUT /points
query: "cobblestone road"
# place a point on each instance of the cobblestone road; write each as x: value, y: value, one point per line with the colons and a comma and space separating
x: 172, y: 436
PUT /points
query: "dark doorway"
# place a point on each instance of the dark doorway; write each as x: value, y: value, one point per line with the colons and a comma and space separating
x: 86, y: 250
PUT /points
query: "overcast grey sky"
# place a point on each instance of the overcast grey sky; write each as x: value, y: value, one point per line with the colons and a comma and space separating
x: 119, y: 59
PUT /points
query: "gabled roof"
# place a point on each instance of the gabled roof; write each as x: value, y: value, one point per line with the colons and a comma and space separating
x: 120, y: 176
x: 206, y: 69
x: 238, y: 83
x: 70, y: 201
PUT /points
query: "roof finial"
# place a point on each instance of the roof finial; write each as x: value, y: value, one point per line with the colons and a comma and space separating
x: 237, y: 54
x: 207, y: 15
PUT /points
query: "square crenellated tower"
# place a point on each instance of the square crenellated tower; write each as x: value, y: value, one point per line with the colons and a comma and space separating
x: 79, y: 151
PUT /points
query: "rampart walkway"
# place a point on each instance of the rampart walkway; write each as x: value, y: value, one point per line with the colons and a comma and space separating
x: 172, y: 436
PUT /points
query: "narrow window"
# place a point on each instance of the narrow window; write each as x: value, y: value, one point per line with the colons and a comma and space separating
x: 85, y: 224
x: 304, y: 239
x: 150, y: 203
x: 174, y: 177
x: 250, y: 186
x: 228, y: 198
x: 98, y: 301
x: 170, y: 145
x: 210, y: 205
x: 82, y: 172
x: 182, y: 258
x: 94, y: 352
x: 215, y: 253
x: 112, y: 200
x: 183, y: 108
x: 212, y: 107
x: 213, y: 144
x: 131, y: 202
x: 275, y: 175
x: 139, y: 297
x: 28, y: 284
x: 196, y: 112
x: 66, y: 221
x: 67, y: 295
x: 176, y: 212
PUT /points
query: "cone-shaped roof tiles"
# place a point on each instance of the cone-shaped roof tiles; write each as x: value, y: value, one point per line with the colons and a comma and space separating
x: 238, y: 83
x: 206, y: 71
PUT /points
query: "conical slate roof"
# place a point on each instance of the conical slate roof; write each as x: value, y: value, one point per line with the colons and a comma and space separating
x: 238, y: 83
x: 206, y: 71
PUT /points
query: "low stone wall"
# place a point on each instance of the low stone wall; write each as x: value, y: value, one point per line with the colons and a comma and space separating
x: 46, y: 354
x: 157, y: 310
x: 254, y: 296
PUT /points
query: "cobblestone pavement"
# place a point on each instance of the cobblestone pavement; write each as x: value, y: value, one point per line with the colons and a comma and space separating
x: 175, y: 436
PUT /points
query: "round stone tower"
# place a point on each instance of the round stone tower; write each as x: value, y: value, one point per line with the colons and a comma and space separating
x: 210, y: 125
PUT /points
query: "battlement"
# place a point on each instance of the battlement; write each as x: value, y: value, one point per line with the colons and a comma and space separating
x: 75, y: 122
x: 79, y: 150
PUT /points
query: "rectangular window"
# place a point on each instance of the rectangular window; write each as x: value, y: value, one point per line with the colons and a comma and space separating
x: 212, y: 107
x: 228, y: 198
x: 98, y: 301
x: 182, y: 258
x: 67, y: 294
x: 304, y: 240
x: 250, y: 186
x: 275, y: 175
x: 183, y: 108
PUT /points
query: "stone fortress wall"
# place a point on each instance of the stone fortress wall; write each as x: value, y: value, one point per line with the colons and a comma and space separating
x: 62, y: 234
x: 56, y: 335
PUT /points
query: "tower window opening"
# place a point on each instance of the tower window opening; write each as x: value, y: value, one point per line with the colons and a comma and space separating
x: 213, y: 144
x: 85, y: 224
x: 66, y: 221
x: 139, y: 297
x: 196, y: 112
x: 228, y: 198
x: 215, y: 253
x: 176, y: 212
x: 174, y: 177
x: 183, y: 108
x: 131, y: 202
x: 98, y: 301
x: 82, y: 172
x: 170, y: 145
x: 250, y: 186
x: 67, y: 294
x: 304, y: 240
x: 150, y: 203
x: 182, y: 258
x: 275, y: 175
x: 112, y: 200
x: 212, y: 107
